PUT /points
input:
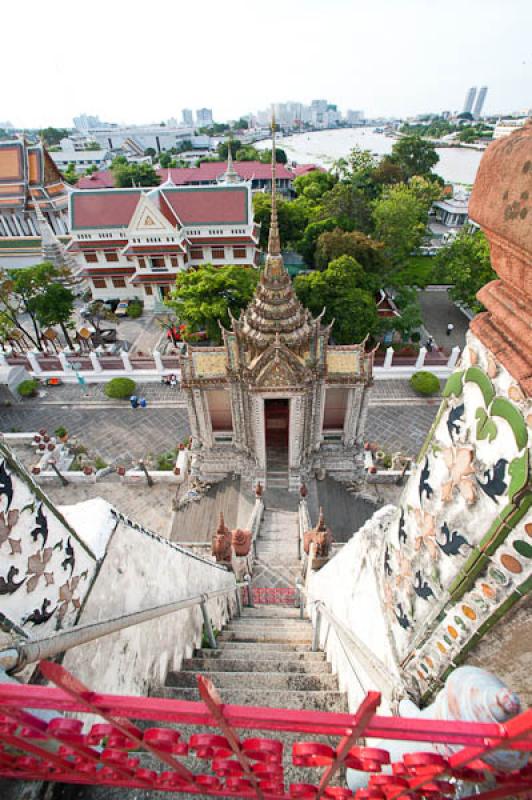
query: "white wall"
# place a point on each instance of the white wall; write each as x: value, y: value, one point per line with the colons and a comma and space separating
x: 139, y: 572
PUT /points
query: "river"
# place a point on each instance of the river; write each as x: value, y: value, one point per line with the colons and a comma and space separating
x: 456, y: 164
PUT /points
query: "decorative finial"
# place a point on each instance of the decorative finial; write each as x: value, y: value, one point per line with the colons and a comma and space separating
x: 321, y: 521
x: 274, y: 241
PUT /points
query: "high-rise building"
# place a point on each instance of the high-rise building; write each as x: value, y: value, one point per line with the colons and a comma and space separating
x: 469, y: 100
x: 354, y: 116
x: 204, y: 117
x: 477, y: 111
x: 188, y: 116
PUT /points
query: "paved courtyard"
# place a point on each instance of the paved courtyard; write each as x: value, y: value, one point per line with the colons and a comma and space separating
x: 437, y: 309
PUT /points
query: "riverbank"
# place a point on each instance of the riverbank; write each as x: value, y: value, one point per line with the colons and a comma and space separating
x: 456, y: 164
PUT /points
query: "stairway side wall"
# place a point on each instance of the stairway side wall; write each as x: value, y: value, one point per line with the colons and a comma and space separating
x: 140, y: 572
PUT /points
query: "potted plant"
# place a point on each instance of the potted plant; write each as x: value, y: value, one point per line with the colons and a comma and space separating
x: 87, y: 470
x: 61, y: 433
x: 121, y: 471
x: 36, y: 470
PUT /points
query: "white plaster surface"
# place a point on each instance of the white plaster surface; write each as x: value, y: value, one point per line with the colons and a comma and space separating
x: 348, y: 585
x: 140, y: 572
x: 92, y: 521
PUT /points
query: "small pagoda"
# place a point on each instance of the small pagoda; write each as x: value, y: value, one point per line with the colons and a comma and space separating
x: 276, y: 402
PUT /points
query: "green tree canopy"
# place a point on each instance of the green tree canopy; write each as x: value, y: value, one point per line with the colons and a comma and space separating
x: 333, y: 244
x: 203, y: 297
x: 19, y: 289
x: 293, y: 218
x: 349, y: 206
x: 414, y: 155
x: 247, y: 153
x: 311, y: 234
x: 223, y: 148
x: 466, y: 264
x: 280, y: 156
x: 70, y: 174
x: 127, y: 175
x: 54, y: 306
x: 340, y: 290
x: 400, y: 218
x: 314, y: 184
x: 53, y: 136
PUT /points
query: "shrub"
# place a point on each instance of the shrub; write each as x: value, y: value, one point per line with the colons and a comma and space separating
x: 61, y: 431
x: 166, y: 461
x: 28, y: 388
x: 425, y: 383
x: 134, y: 309
x: 99, y: 463
x: 120, y: 388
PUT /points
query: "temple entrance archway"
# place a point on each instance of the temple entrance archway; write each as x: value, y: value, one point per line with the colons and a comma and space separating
x: 276, y: 434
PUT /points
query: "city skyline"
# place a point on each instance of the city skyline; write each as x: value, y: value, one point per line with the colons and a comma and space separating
x: 391, y: 59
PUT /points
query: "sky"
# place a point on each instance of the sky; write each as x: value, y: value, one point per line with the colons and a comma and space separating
x: 139, y: 62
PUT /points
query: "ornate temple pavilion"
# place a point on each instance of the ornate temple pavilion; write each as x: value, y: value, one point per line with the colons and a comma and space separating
x: 276, y: 401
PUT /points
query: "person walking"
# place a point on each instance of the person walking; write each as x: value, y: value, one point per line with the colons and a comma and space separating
x: 450, y: 328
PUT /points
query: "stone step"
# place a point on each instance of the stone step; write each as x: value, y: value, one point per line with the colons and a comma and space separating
x: 284, y: 622
x: 230, y: 644
x: 269, y: 612
x: 252, y: 635
x: 267, y: 681
x: 270, y: 664
x: 311, y: 701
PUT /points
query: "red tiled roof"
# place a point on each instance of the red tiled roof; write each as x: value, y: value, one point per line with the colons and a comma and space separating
x: 207, y: 171
x: 103, y: 209
x: 113, y: 208
x: 201, y: 206
x: 304, y: 169
x: 98, y: 180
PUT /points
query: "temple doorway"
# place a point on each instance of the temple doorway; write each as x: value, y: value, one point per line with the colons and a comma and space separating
x: 276, y: 429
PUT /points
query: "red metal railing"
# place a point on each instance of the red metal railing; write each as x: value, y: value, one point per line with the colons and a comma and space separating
x: 107, y: 753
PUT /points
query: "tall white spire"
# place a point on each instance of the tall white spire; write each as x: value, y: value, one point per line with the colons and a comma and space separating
x: 230, y: 174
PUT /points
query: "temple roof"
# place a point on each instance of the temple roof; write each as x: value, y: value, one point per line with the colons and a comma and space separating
x: 198, y: 205
x: 29, y: 176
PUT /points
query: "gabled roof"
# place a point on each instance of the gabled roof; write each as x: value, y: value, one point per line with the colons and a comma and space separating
x: 114, y: 208
x: 214, y: 205
x: 27, y: 173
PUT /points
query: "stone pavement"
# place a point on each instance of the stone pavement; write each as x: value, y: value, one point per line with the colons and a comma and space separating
x: 150, y: 506
x: 400, y: 427
x: 93, y: 393
x: 119, y: 435
x: 437, y: 309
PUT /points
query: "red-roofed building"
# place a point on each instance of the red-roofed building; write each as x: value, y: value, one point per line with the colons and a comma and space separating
x: 133, y: 242
x: 212, y: 172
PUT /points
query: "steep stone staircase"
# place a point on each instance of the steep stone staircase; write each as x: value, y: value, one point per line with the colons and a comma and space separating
x: 277, y: 563
x: 264, y: 658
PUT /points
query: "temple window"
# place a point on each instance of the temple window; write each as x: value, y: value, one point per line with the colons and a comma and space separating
x: 218, y: 252
x: 173, y: 261
x: 148, y: 290
x: 158, y: 262
x: 99, y: 283
x: 91, y: 258
x: 118, y: 283
x: 196, y: 253
x: 239, y: 252
x: 142, y: 263
x: 111, y: 255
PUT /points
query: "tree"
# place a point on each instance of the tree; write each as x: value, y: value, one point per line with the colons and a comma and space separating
x: 340, y: 290
x: 203, y: 297
x: 358, y: 162
x: 466, y: 264
x: 241, y: 124
x: 314, y: 184
x: 70, y: 174
x: 406, y: 299
x: 293, y: 218
x: 52, y: 136
x: 400, y: 219
x: 18, y: 290
x: 349, y: 206
x: 311, y: 234
x: 280, y: 156
x: 333, y: 244
x: 150, y: 151
x: 387, y: 172
x: 247, y: 153
x: 94, y: 146
x: 223, y: 147
x: 165, y: 160
x: 54, y: 306
x: 127, y: 175
x: 414, y: 155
